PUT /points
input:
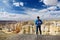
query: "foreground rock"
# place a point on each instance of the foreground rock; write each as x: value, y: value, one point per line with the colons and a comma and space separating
x: 5, y: 36
x: 33, y: 37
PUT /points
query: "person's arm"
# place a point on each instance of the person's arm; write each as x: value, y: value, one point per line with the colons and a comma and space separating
x: 41, y: 22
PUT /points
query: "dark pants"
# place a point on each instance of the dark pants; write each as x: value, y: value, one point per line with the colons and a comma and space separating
x: 38, y: 27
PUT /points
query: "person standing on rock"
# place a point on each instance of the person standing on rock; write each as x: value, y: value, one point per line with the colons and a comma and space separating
x: 38, y: 24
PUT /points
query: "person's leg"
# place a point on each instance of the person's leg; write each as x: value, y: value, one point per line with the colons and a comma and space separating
x: 36, y: 29
x: 40, y: 29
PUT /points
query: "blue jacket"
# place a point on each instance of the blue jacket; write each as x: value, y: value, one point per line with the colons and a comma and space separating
x: 38, y: 22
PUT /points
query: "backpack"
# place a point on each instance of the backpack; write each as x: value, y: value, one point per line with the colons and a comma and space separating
x: 38, y: 22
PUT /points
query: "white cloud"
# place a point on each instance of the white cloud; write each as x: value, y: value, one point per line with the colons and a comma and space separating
x: 44, y: 13
x: 33, y: 9
x: 10, y: 16
x: 52, y: 8
x: 31, y: 15
x: 40, y: 0
x: 21, y: 4
x: 58, y: 4
x: 16, y: 3
x: 13, y: 0
x: 4, y: 1
x: 50, y: 2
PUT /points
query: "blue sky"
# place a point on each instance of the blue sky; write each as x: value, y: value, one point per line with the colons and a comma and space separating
x: 26, y: 3
x: 29, y: 9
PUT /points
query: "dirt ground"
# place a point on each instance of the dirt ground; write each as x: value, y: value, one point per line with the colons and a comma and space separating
x: 34, y: 37
x: 4, y: 36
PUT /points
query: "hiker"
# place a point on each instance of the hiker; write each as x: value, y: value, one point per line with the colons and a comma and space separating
x: 38, y: 23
